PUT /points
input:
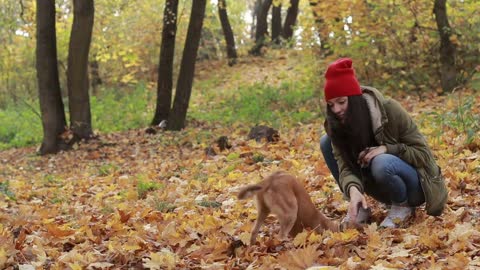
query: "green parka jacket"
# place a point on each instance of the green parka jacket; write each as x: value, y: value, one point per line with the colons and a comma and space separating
x: 394, y: 128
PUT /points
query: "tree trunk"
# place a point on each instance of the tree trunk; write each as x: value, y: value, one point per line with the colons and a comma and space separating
x: 51, y: 105
x: 165, y: 66
x: 290, y: 19
x: 447, y: 48
x: 227, y: 32
x: 77, y: 72
x: 208, y: 45
x: 95, y: 75
x: 176, y: 119
x: 255, y: 11
x: 276, y: 23
x: 262, y: 27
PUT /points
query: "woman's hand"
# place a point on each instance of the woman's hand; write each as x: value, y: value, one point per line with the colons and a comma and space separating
x: 366, y: 156
x: 356, y: 200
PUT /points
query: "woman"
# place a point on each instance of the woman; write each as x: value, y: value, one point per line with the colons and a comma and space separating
x: 373, y: 147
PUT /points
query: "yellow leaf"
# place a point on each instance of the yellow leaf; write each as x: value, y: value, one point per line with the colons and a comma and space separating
x: 170, y: 231
x: 131, y: 247
x: 300, y: 239
x: 220, y: 184
x: 111, y: 248
x: 374, y: 239
x: 295, y: 163
x: 345, y: 236
x: 210, y: 222
x: 245, y: 238
x: 234, y: 175
x: 165, y: 259
x: 299, y: 258
x: 3, y: 257
x: 131, y: 195
x: 461, y: 175
x: 75, y: 266
x: 314, y: 238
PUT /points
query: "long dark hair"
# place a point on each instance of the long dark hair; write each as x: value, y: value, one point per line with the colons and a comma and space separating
x: 354, y: 134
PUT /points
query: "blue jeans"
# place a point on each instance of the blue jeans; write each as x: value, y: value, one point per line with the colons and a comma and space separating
x: 392, y: 181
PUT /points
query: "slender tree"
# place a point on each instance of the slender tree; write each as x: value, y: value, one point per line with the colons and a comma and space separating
x: 77, y: 72
x: 276, y: 22
x: 227, y: 32
x: 176, y: 119
x: 447, y: 48
x: 262, y: 28
x: 290, y: 19
x: 51, y: 105
x: 96, y: 80
x: 165, y: 66
x: 255, y: 9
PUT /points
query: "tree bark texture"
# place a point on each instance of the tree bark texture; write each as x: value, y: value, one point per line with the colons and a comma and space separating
x: 77, y: 72
x: 255, y: 11
x: 176, y: 120
x: 227, y: 32
x: 96, y: 80
x: 262, y: 28
x: 276, y: 23
x: 165, y: 63
x: 290, y: 19
x: 447, y: 48
x: 51, y: 105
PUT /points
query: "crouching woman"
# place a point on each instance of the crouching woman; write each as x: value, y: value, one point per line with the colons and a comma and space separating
x: 373, y: 147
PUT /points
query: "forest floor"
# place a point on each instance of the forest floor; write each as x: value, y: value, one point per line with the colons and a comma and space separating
x: 131, y: 200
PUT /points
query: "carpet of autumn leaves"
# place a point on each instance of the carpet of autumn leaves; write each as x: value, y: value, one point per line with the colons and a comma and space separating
x: 132, y: 200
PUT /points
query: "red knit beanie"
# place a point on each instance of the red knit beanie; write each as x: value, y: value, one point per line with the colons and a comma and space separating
x: 341, y: 80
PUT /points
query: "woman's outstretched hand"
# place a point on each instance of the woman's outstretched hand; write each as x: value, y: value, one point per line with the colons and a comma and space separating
x: 356, y: 200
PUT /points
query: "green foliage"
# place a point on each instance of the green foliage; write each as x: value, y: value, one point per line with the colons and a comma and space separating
x: 50, y: 180
x: 395, y: 44
x: 285, y: 105
x: 112, y: 110
x: 464, y: 119
x: 233, y: 156
x: 21, y: 126
x: 57, y: 199
x: 115, y: 111
x: 163, y: 206
x: 4, y: 189
x: 475, y: 82
x: 209, y: 204
x: 257, y: 157
x: 107, y: 169
x: 145, y: 186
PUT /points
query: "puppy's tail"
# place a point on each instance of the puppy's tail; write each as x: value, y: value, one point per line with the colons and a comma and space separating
x: 248, y: 191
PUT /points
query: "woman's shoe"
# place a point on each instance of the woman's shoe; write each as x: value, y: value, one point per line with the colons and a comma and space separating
x: 396, y: 215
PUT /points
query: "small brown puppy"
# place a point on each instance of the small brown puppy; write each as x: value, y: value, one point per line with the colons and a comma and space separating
x: 282, y: 195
